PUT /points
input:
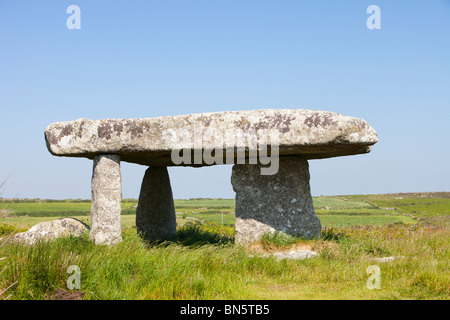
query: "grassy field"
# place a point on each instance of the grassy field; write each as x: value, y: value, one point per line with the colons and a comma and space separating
x: 54, y: 208
x: 332, y: 211
x: 418, y: 204
x: 202, y: 262
x: 129, y: 221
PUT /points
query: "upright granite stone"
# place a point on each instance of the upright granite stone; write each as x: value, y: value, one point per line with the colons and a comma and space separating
x: 106, y: 186
x: 282, y: 202
x: 155, y: 213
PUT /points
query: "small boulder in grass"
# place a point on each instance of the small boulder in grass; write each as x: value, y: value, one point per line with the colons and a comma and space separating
x: 388, y: 259
x: 295, y: 254
x: 50, y: 230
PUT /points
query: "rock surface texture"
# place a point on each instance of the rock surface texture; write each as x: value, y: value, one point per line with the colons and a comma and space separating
x: 155, y: 213
x: 149, y: 141
x: 295, y: 254
x: 50, y: 230
x: 265, y: 203
x: 106, y: 200
x: 267, y: 198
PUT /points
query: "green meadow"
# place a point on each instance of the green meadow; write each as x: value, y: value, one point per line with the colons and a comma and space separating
x: 202, y: 261
x: 332, y: 211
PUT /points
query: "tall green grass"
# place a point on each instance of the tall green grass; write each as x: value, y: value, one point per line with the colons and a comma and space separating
x: 204, y: 263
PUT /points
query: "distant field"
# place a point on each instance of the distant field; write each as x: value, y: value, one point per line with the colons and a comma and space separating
x: 353, y: 220
x: 335, y: 202
x: 426, y: 204
x: 56, y: 208
x: 336, y: 211
x: 206, y: 203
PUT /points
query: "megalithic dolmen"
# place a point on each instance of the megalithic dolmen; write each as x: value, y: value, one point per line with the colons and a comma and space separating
x: 269, y: 150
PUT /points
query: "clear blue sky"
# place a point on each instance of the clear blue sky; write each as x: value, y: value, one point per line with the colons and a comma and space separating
x: 133, y: 59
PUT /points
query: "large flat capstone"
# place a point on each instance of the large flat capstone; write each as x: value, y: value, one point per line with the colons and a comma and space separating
x: 232, y: 135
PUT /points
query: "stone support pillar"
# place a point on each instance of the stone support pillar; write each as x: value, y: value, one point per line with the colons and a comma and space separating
x: 282, y: 202
x: 155, y: 213
x: 106, y: 192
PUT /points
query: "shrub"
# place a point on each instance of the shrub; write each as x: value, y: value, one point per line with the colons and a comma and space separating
x: 6, y: 228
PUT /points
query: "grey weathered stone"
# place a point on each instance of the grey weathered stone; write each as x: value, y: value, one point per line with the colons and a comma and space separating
x: 265, y: 203
x: 50, y: 230
x: 388, y: 259
x: 150, y: 141
x: 295, y: 254
x: 106, y: 226
x: 155, y: 213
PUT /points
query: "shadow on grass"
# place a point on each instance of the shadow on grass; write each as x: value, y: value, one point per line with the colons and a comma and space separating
x: 197, y: 234
x: 211, y: 233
